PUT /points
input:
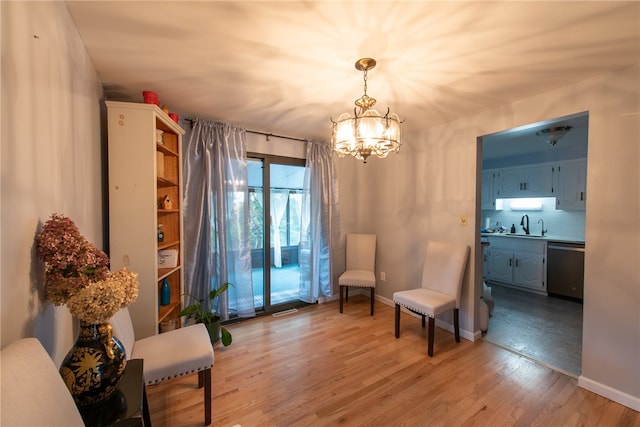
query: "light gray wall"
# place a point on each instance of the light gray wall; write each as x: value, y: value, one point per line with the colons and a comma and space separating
x: 51, y: 162
x: 420, y: 194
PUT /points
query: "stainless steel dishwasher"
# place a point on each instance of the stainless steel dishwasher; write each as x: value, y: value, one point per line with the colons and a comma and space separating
x: 565, y: 269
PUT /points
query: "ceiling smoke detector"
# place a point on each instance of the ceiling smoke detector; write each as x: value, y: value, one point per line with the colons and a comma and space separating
x: 554, y: 134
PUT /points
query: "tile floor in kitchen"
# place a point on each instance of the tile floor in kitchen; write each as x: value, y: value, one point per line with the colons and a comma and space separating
x: 546, y: 329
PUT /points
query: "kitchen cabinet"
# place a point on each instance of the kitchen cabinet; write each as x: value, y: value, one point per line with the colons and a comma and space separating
x: 518, y: 262
x: 488, y: 201
x: 145, y: 197
x: 570, y: 184
x: 485, y: 260
x: 525, y: 181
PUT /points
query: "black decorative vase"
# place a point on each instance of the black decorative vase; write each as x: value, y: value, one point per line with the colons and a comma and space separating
x: 94, y: 365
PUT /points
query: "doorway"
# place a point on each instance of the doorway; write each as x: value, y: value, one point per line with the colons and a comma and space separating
x: 275, y: 217
x: 527, y: 320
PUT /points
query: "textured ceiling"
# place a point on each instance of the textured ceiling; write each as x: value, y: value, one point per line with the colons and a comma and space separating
x: 287, y: 67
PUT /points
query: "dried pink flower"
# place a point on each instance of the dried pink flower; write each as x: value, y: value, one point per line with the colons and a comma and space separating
x: 77, y: 273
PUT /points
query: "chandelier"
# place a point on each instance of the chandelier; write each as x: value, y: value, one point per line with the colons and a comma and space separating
x: 367, y: 132
x: 554, y: 134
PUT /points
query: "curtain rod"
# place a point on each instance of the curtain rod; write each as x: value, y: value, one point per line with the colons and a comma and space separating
x: 257, y: 132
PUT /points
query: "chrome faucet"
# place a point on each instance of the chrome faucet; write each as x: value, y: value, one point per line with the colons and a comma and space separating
x: 541, y: 221
x: 525, y: 227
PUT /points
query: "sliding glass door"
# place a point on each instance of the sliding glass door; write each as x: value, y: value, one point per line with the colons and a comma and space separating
x: 275, y: 198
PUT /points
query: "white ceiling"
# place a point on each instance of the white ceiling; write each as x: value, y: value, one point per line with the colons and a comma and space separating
x: 287, y: 67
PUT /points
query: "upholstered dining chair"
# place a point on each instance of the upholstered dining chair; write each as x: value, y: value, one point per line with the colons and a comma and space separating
x: 360, y: 267
x: 172, y: 354
x: 442, y: 275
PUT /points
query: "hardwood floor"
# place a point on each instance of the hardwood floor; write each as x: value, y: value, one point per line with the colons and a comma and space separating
x: 318, y: 367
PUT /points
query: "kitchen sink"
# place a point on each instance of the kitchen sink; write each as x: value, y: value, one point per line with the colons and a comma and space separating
x: 525, y: 235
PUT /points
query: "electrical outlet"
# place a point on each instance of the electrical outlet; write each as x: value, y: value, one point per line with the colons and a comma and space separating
x: 463, y: 220
x: 383, y: 276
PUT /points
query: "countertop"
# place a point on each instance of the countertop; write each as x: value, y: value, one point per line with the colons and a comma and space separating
x: 546, y: 237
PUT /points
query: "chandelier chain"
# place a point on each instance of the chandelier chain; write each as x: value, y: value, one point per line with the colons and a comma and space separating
x: 365, y: 82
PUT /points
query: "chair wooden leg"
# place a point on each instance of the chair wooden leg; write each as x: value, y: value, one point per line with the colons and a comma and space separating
x: 207, y: 396
x: 397, y: 320
x: 346, y: 293
x: 423, y: 317
x: 456, y: 324
x: 432, y: 324
x: 372, y: 299
x: 341, y: 303
x: 146, y: 417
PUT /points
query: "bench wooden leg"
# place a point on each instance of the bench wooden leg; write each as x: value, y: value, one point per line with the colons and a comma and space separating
x: 206, y: 374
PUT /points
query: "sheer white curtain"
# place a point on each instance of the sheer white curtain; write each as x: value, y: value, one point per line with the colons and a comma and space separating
x: 321, y: 234
x: 278, y: 205
x: 216, y: 215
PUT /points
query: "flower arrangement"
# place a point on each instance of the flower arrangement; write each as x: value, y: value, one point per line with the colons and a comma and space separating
x: 77, y: 273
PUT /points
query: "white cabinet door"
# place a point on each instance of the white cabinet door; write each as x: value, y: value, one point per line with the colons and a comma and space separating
x: 528, y: 270
x: 571, y: 184
x: 509, y: 183
x: 526, y: 181
x: 500, y: 265
x: 485, y: 261
x: 517, y: 262
x: 538, y: 181
x: 488, y: 201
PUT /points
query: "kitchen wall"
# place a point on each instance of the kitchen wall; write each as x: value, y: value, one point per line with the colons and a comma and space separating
x: 50, y: 159
x: 558, y: 223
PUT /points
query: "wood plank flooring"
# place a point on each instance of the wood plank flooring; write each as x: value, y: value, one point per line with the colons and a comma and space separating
x: 318, y: 367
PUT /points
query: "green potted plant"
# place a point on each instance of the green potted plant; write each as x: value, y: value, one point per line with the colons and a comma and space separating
x: 199, y: 312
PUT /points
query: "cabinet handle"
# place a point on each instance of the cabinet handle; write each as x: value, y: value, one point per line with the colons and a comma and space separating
x: 510, y: 262
x: 516, y: 263
x: 525, y: 186
x: 520, y: 186
x: 581, y: 196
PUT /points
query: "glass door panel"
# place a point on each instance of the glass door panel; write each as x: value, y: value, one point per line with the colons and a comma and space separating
x: 285, y: 211
x: 275, y: 197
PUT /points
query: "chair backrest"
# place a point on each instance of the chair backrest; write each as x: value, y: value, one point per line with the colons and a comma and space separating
x: 444, y: 267
x: 361, y: 252
x: 122, y: 327
x: 33, y: 393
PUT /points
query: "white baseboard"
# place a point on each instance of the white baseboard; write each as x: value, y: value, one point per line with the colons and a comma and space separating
x: 622, y: 398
